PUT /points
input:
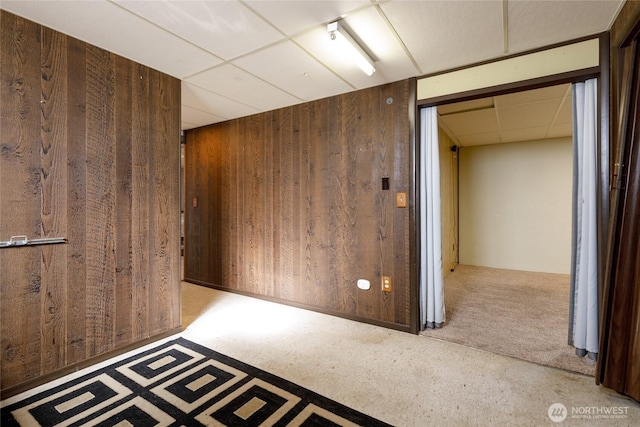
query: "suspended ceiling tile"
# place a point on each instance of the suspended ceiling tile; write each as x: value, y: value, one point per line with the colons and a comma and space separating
x: 110, y: 27
x: 528, y: 115
x: 559, y: 130
x: 471, y: 122
x: 534, y: 24
x: 186, y: 126
x: 203, y: 100
x: 196, y: 118
x: 232, y: 82
x: 529, y: 96
x: 439, y: 35
x: 445, y: 34
x: 565, y: 112
x: 479, y: 139
x: 524, y: 134
x: 227, y: 29
x: 376, y: 39
x: 292, y: 17
x: 457, y: 107
x: 290, y: 68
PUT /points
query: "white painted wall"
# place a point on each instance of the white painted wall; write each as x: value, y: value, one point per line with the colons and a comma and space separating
x: 515, y: 205
x: 448, y: 201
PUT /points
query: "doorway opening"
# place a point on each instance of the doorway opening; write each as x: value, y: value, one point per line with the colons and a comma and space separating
x: 506, y: 173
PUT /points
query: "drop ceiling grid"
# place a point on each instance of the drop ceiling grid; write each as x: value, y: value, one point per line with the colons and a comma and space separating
x: 203, y: 100
x: 293, y: 70
x: 117, y: 30
x: 521, y: 116
x: 274, y: 72
x: 276, y: 43
x: 193, y: 118
x: 296, y: 17
x: 224, y: 28
x: 235, y: 83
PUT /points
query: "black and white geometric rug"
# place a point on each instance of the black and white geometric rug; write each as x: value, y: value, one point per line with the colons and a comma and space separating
x: 180, y: 383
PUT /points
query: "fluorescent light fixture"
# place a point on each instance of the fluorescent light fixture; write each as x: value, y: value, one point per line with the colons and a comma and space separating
x: 349, y: 46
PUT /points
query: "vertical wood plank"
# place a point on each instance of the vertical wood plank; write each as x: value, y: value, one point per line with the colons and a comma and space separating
x: 243, y: 231
x: 140, y: 220
x: 235, y: 204
x: 334, y: 201
x: 286, y: 199
x: 171, y: 115
x: 385, y: 201
x: 215, y: 202
x: 101, y: 212
x: 297, y: 267
x: 273, y: 142
x: 367, y: 176
x: 123, y: 242
x: 53, y: 210
x: 343, y: 213
x: 227, y: 242
x: 159, y: 238
x: 267, y: 190
x: 202, y: 210
x: 20, y: 195
x: 305, y: 203
x: 253, y: 199
x: 401, y: 229
x: 76, y: 200
x: 191, y: 243
x: 164, y: 200
x: 194, y: 142
x: 318, y: 232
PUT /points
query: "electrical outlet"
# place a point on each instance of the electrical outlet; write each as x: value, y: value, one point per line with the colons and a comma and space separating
x: 387, y: 284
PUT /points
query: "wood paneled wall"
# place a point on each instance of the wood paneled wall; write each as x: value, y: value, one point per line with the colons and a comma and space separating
x: 89, y: 151
x: 288, y: 204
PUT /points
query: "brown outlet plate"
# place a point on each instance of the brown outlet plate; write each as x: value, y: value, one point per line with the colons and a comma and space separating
x: 387, y: 284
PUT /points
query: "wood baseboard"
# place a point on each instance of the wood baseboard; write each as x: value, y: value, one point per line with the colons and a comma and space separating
x: 389, y: 325
x: 51, y: 376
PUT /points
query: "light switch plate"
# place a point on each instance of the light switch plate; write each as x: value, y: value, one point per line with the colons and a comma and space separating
x: 401, y: 200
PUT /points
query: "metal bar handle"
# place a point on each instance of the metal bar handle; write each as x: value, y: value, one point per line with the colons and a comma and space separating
x: 15, y: 241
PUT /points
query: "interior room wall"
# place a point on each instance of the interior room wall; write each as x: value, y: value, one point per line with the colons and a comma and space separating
x: 448, y: 201
x: 289, y: 205
x: 89, y: 152
x: 515, y: 205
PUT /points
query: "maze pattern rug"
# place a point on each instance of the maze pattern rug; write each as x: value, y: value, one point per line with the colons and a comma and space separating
x: 180, y: 383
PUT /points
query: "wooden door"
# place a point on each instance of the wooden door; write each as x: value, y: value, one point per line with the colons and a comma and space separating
x: 619, y: 360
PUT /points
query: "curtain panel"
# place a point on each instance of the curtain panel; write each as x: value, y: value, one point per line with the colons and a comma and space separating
x: 431, y: 277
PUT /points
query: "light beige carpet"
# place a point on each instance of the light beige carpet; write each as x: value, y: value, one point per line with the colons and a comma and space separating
x: 513, y: 313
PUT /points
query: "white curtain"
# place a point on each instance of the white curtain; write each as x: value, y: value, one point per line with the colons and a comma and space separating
x: 431, y: 289
x: 583, y: 322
